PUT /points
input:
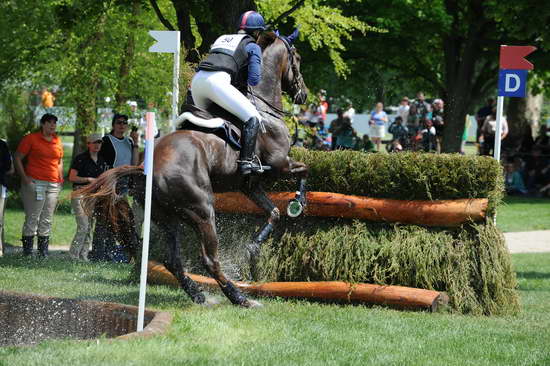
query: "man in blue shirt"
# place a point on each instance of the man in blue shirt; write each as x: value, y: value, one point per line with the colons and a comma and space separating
x: 234, y: 63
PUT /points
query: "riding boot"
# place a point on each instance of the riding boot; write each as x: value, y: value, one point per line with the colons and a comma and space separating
x: 27, y: 245
x: 246, y: 161
x: 43, y: 243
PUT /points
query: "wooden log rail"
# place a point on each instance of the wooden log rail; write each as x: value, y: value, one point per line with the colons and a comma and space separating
x: 446, y: 213
x: 396, y: 296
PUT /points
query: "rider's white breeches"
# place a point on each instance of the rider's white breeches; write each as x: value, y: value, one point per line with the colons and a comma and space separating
x: 215, y: 86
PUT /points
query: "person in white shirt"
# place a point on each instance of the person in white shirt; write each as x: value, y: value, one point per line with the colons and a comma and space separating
x: 350, y: 111
x: 403, y: 110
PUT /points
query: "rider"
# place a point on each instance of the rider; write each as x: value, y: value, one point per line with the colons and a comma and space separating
x: 234, y: 63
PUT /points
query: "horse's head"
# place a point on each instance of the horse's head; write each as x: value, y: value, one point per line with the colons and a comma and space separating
x: 293, y: 82
x: 291, y: 78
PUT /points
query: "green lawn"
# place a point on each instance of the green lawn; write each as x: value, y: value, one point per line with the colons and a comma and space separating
x: 285, y: 332
x: 524, y: 214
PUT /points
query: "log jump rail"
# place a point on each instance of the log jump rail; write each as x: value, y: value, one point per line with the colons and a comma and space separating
x: 396, y: 296
x: 443, y: 213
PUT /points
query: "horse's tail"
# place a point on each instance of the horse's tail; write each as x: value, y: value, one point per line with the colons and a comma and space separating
x: 100, y: 197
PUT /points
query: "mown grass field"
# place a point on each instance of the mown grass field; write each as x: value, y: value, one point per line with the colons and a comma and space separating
x: 285, y: 332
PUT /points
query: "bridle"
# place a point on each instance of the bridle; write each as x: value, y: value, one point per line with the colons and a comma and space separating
x: 296, y: 83
x: 297, y: 80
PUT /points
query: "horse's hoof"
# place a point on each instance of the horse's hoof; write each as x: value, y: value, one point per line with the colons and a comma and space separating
x: 250, y: 304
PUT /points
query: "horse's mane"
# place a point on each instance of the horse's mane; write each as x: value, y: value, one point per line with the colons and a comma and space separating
x: 266, y: 39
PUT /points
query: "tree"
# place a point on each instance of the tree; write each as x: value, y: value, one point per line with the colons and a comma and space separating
x: 451, y: 45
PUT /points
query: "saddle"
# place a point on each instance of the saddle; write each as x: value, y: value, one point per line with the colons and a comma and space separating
x: 215, y: 120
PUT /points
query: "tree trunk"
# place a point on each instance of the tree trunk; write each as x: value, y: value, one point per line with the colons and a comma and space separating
x: 456, y: 106
x: 522, y: 115
x: 126, y: 62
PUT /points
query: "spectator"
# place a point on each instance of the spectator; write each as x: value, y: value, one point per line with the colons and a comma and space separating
x: 438, y: 122
x: 323, y: 104
x: 378, y: 120
x: 117, y: 150
x: 400, y: 134
x: 345, y: 135
x: 350, y: 111
x: 334, y: 126
x: 365, y: 145
x: 467, y: 124
x: 514, y: 180
x: 418, y: 111
x: 481, y: 116
x: 488, y: 130
x: 85, y: 168
x: 428, y: 134
x: 41, y: 182
x: 48, y: 99
x: 6, y: 167
x: 403, y: 111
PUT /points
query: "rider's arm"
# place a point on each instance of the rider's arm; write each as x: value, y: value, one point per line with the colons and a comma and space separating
x: 254, y: 63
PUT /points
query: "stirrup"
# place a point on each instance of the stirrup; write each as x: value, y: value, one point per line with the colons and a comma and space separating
x: 253, y: 167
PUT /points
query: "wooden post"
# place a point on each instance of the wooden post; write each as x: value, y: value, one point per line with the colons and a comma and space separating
x: 397, y: 296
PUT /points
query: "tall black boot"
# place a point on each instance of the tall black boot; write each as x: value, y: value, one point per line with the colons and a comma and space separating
x: 28, y: 242
x: 248, y: 146
x: 43, y: 243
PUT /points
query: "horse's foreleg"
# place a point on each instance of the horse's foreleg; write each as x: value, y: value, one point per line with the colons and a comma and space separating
x: 253, y: 189
x: 297, y: 205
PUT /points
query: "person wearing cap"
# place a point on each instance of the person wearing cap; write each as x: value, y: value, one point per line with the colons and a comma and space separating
x: 117, y: 150
x: 234, y: 64
x: 85, y: 168
x: 39, y: 162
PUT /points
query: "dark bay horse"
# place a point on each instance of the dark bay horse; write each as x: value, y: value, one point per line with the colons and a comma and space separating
x: 189, y: 166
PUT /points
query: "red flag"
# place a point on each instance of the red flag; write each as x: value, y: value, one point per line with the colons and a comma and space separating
x: 512, y: 57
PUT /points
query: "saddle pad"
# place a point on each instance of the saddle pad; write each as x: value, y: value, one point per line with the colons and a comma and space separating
x: 227, y: 132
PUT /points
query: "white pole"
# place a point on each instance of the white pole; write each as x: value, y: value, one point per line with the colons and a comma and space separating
x: 498, y: 139
x: 148, y: 168
x: 498, y: 132
x: 176, y: 89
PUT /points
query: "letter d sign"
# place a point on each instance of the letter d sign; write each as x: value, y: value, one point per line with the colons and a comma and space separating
x: 512, y: 83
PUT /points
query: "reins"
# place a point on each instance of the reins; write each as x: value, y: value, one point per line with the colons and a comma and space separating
x: 280, y: 112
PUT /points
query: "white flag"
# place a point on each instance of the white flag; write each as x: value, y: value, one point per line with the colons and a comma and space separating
x: 167, y: 41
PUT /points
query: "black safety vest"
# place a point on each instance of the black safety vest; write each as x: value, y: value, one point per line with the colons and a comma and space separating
x: 228, y: 54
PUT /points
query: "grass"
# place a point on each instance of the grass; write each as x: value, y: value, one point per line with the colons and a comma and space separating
x: 285, y: 332
x: 524, y: 214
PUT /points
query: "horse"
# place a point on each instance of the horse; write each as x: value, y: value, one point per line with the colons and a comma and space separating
x: 190, y: 165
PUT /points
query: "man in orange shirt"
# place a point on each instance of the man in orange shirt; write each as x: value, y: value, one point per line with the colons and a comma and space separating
x: 41, y: 182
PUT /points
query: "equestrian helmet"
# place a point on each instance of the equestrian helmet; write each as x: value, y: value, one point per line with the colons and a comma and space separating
x: 251, y: 20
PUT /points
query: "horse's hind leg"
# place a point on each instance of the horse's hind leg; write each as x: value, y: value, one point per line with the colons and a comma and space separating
x: 174, y: 265
x: 205, y: 223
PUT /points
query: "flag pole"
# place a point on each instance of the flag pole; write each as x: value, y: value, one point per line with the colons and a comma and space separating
x: 148, y: 169
x: 175, y: 82
x: 169, y: 42
x: 498, y: 132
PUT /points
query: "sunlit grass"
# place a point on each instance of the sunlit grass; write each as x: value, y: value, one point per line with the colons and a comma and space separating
x: 285, y: 332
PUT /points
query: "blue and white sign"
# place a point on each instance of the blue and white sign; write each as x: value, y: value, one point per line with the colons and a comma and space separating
x: 512, y: 83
